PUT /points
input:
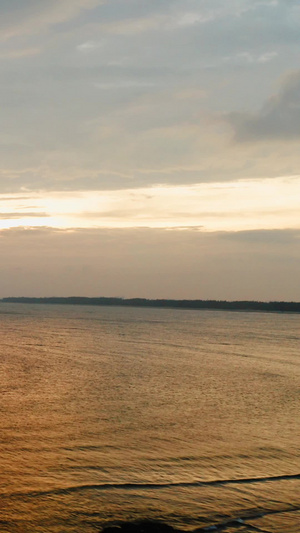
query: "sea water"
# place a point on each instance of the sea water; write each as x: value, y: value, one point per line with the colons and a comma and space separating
x: 111, y: 413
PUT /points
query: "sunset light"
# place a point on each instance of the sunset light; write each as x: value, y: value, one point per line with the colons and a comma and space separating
x: 149, y: 266
x: 230, y: 206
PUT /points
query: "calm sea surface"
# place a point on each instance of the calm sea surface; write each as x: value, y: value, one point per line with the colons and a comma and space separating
x: 191, y: 417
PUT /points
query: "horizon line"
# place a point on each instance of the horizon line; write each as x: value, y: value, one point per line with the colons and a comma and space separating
x: 196, y: 304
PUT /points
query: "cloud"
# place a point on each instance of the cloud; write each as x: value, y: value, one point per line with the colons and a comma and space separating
x: 168, y: 21
x: 249, y: 58
x: 265, y: 237
x: 279, y: 118
x: 19, y: 17
x: 19, y: 53
x: 123, y: 94
x: 148, y: 263
x: 19, y: 214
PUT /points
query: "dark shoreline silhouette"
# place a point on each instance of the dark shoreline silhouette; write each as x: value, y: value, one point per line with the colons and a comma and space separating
x: 223, y: 305
x: 158, y: 526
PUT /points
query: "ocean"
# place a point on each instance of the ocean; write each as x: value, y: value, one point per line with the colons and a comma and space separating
x: 112, y: 413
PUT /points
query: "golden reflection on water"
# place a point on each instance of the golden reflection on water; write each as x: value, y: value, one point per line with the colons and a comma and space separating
x: 92, y: 397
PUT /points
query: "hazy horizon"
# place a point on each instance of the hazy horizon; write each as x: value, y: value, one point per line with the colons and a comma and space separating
x: 150, y: 149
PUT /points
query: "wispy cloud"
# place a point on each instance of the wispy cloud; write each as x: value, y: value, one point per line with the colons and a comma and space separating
x: 24, y: 18
x: 18, y: 215
x: 249, y: 58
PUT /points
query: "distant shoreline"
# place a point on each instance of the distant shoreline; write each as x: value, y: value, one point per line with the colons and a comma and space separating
x: 222, y: 305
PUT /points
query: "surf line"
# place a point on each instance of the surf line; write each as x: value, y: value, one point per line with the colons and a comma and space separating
x: 157, y: 486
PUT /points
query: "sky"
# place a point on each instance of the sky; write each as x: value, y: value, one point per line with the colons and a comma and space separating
x: 150, y: 148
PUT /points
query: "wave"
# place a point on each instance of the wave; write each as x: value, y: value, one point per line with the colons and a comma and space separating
x: 158, y: 486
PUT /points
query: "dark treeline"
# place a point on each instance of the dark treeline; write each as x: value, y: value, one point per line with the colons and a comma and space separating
x: 290, y: 307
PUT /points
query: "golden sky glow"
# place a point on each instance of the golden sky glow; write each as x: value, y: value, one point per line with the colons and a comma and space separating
x: 230, y: 206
